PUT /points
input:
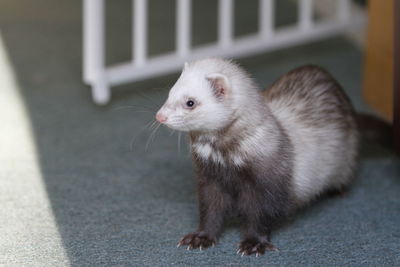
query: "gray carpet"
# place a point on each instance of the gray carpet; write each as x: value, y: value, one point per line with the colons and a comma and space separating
x: 106, y: 194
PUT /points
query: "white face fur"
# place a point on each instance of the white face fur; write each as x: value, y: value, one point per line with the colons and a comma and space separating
x: 199, y: 101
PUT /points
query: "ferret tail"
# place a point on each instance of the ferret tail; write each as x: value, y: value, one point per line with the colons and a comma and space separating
x: 374, y: 130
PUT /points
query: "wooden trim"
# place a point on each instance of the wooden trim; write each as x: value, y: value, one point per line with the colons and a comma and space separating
x: 378, y: 68
x: 396, y: 84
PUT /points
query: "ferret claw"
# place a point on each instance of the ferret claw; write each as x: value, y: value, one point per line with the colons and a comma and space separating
x: 257, y: 254
x: 238, y: 251
x: 242, y: 254
x: 196, y: 240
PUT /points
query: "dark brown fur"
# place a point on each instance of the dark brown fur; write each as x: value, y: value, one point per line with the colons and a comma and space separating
x: 316, y: 87
x: 258, y: 193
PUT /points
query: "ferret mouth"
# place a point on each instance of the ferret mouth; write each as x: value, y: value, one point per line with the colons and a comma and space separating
x: 177, y: 125
x: 171, y: 122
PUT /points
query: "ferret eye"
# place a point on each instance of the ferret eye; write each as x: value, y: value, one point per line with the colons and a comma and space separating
x: 190, y: 103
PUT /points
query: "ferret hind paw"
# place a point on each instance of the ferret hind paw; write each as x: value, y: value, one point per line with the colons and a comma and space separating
x: 250, y: 246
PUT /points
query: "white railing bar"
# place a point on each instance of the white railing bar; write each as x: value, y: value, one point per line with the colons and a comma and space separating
x: 245, y: 46
x: 93, y: 40
x: 139, y: 31
x: 305, y: 14
x: 266, y: 18
x: 94, y: 50
x: 183, y: 27
x: 344, y: 8
x: 225, y: 22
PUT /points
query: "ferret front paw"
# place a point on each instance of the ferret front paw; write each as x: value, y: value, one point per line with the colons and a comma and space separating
x: 254, y: 246
x: 197, y: 240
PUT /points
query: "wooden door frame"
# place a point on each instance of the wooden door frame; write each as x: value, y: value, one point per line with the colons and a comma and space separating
x: 396, y: 82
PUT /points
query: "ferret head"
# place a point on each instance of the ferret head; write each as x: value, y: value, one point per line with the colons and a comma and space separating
x: 200, y: 100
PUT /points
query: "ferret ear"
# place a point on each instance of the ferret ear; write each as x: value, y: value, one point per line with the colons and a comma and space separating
x: 219, y: 83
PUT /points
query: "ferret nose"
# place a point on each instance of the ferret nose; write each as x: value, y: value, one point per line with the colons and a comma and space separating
x: 161, y: 117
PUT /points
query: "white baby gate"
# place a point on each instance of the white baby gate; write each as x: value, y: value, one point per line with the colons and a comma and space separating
x: 101, y: 78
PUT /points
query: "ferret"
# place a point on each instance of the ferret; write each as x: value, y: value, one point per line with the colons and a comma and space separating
x: 260, y: 156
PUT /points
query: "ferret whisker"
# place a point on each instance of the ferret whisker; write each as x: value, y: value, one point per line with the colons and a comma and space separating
x: 143, y: 111
x: 171, y: 132
x: 158, y: 89
x: 179, y: 141
x: 154, y: 132
x: 151, y: 101
x: 148, y: 140
x: 153, y: 125
x: 151, y: 137
x: 141, y: 107
x: 146, y: 127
